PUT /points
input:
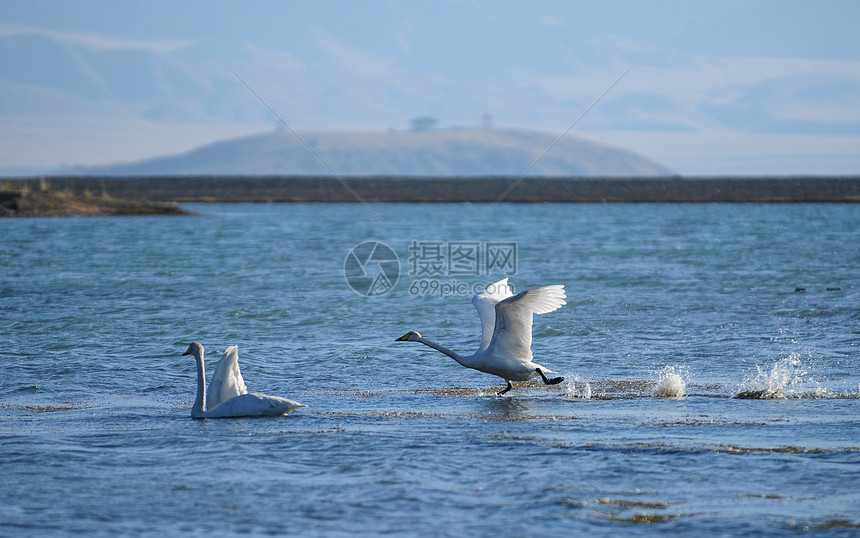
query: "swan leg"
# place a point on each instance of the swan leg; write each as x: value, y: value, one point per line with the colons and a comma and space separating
x: 553, y: 381
x: 506, y: 389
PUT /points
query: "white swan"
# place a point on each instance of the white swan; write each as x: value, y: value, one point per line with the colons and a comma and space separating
x: 506, y: 336
x: 228, y: 396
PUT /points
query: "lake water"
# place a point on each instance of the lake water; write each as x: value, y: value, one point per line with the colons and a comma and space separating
x: 712, y: 301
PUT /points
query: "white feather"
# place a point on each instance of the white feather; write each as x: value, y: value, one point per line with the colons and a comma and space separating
x: 485, y: 304
x: 228, y: 380
x: 512, y: 332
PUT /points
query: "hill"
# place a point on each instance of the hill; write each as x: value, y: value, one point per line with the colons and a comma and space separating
x: 443, y: 152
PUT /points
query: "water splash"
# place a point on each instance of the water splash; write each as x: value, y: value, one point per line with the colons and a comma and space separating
x: 670, y: 383
x: 783, y: 379
x: 577, y: 388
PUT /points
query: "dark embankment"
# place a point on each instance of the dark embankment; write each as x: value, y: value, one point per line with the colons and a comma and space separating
x: 471, y: 189
x: 26, y: 203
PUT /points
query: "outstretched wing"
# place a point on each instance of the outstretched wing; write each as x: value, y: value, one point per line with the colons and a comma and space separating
x: 227, y: 380
x: 512, y: 333
x: 485, y: 303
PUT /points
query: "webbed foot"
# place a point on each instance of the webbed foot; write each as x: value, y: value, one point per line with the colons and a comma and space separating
x: 547, y: 381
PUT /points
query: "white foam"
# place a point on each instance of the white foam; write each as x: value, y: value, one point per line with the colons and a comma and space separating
x: 785, y: 377
x: 670, y: 384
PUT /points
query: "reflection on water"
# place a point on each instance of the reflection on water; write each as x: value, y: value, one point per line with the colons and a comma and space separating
x: 508, y: 408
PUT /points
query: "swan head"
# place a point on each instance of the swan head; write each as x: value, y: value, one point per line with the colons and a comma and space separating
x: 196, y: 349
x: 411, y: 336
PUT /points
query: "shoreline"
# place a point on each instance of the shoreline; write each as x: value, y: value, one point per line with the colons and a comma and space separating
x: 25, y: 203
x: 179, y: 189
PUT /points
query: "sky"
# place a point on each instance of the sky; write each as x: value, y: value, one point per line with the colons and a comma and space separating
x: 711, y: 88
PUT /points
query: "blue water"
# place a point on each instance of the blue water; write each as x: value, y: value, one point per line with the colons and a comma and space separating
x: 709, y: 300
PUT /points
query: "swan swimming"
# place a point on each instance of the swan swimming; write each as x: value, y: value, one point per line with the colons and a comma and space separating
x: 228, y: 396
x: 506, y: 336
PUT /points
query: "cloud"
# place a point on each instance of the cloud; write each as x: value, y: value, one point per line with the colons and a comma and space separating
x: 97, y: 42
x: 275, y: 59
x: 402, y: 35
x: 352, y: 59
x: 707, y: 92
x: 551, y: 21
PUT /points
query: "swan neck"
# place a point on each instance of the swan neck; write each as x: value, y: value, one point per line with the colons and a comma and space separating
x: 439, y: 347
x: 199, y: 409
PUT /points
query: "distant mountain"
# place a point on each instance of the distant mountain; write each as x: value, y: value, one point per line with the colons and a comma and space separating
x: 442, y: 152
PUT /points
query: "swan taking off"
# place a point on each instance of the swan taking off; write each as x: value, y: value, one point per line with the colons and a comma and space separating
x: 506, y: 336
x: 228, y: 396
